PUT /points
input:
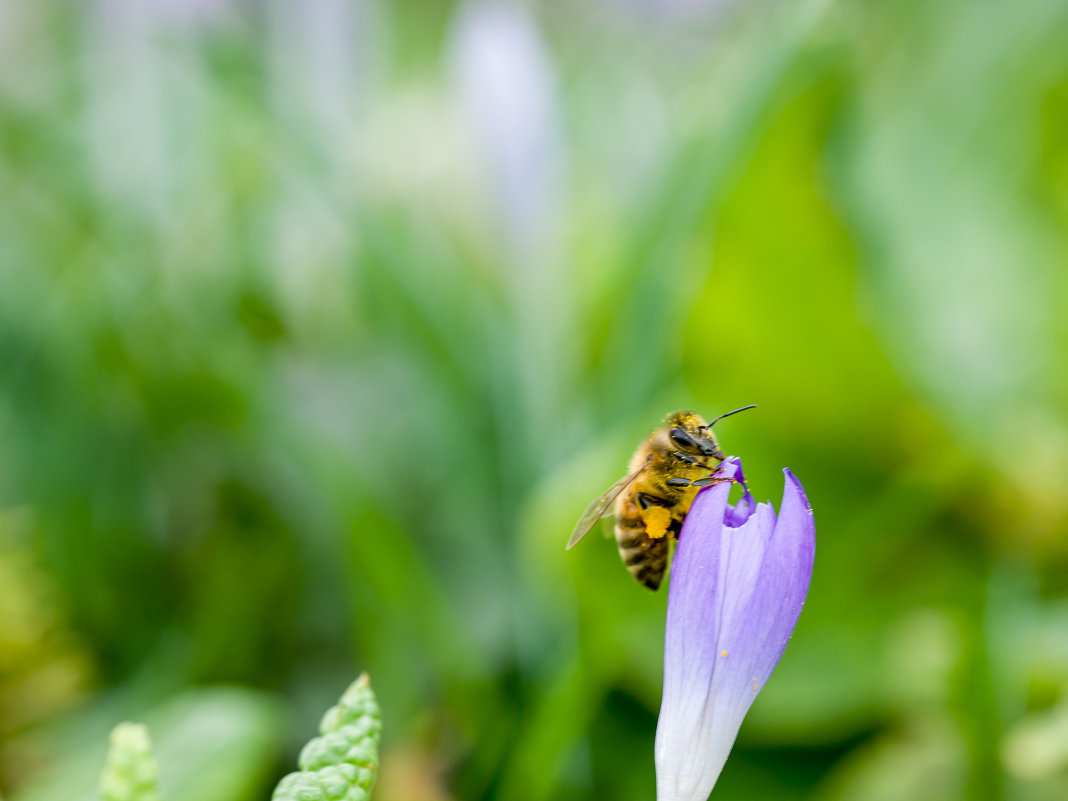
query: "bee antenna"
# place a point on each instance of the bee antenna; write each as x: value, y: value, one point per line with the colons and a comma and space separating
x: 728, y: 414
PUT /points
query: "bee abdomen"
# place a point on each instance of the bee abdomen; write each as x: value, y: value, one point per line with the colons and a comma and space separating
x: 645, y: 558
x: 630, y: 530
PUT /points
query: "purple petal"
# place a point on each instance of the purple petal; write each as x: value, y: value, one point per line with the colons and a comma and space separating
x: 738, y: 582
x: 507, y: 84
x: 746, y: 506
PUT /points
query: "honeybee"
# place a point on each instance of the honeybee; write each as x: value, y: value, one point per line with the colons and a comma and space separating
x: 652, y: 500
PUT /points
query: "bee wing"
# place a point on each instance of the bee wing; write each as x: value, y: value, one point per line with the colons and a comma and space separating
x: 599, y: 508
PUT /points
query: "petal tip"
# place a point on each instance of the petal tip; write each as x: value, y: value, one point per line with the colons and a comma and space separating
x: 791, y: 479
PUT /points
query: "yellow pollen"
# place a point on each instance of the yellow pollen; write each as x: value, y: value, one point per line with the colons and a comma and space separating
x: 657, y: 520
x: 724, y: 653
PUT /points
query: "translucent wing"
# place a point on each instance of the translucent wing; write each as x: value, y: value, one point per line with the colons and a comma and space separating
x: 599, y: 508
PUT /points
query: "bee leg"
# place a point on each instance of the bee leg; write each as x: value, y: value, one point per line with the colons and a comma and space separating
x: 701, y: 482
x: 710, y: 480
x: 683, y: 457
x: 645, y: 500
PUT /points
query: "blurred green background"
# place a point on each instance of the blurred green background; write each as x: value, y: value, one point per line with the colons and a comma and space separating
x: 322, y: 321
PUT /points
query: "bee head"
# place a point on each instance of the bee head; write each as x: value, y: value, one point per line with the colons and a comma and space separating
x: 691, y: 434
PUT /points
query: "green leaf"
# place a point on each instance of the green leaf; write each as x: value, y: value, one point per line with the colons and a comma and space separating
x: 130, y: 773
x: 340, y: 764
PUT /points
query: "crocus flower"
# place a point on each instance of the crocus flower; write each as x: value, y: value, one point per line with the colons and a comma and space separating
x: 508, y: 89
x: 738, y: 581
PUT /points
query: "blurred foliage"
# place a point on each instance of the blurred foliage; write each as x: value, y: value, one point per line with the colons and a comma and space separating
x: 322, y: 321
x: 211, y: 744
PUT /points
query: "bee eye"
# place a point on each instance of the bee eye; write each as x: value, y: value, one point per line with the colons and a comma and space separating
x: 681, y: 438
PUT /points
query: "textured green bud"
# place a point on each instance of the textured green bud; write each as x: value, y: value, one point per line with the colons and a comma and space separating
x: 130, y: 772
x: 341, y: 763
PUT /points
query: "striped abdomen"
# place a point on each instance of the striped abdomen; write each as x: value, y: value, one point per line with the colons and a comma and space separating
x: 645, y: 557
